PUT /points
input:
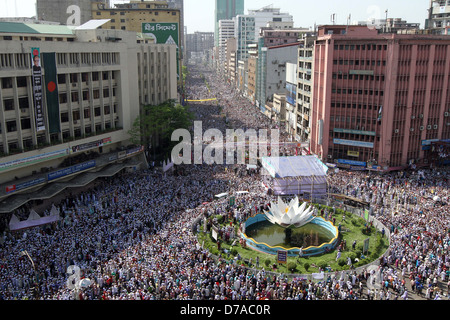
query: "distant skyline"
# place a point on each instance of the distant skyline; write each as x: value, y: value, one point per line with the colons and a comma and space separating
x: 199, y: 14
x: 307, y: 13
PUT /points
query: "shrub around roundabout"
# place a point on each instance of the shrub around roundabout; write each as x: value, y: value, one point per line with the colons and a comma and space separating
x: 220, y: 236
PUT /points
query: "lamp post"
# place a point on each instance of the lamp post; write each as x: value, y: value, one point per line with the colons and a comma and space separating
x: 25, y: 253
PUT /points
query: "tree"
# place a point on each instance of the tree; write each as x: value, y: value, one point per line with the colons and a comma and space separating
x: 154, y: 126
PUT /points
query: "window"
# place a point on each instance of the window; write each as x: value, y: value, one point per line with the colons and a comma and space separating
x: 61, y: 78
x: 11, y: 126
x: 25, y: 123
x: 7, y: 83
x: 85, y: 95
x: 9, y: 104
x: 63, y: 98
x: 76, y: 116
x: 21, y: 82
x: 64, y: 117
x: 24, y: 103
x: 74, y: 96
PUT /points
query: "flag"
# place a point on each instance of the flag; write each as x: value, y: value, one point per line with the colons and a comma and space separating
x: 51, y: 91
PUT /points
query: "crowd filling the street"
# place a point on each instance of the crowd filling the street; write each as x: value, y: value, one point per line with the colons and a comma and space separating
x: 132, y: 235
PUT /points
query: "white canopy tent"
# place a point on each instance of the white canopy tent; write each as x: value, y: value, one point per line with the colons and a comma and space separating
x: 297, y: 175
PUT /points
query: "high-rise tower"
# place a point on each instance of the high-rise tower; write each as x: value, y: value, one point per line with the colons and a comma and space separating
x: 226, y: 10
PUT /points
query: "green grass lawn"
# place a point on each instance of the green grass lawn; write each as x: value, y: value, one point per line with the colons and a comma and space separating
x: 351, y: 229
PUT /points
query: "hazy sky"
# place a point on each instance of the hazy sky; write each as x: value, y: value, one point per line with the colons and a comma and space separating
x: 199, y: 14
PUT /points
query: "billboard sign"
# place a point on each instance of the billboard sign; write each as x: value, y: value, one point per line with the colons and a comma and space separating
x: 166, y: 33
x: 291, y: 93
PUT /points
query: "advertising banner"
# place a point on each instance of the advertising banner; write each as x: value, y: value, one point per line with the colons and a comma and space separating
x: 36, y: 79
x: 167, y: 33
x: 352, y: 162
x: 354, y: 143
x: 68, y: 171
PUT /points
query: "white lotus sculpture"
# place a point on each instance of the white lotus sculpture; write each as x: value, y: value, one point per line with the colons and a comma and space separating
x: 289, y: 215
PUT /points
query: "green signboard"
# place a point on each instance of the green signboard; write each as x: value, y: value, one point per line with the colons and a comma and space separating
x: 167, y: 33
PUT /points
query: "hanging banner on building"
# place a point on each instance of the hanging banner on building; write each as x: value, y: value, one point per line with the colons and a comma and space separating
x: 51, y: 91
x: 353, y: 143
x: 167, y: 33
x: 36, y: 79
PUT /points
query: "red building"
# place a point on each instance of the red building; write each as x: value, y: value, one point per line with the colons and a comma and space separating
x: 379, y: 98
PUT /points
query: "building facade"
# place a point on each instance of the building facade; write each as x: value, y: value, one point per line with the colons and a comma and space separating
x: 78, y: 103
x: 226, y: 10
x: 66, y: 12
x: 438, y: 21
x: 226, y: 31
x: 154, y: 19
x: 304, y: 87
x: 245, y: 35
x: 378, y: 98
x: 271, y: 74
x: 199, y: 44
x: 269, y: 16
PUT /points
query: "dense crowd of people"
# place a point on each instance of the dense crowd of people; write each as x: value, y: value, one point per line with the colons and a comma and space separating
x: 134, y: 236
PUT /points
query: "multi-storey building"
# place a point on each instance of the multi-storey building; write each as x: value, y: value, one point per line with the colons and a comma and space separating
x: 248, y: 27
x: 71, y: 112
x: 226, y: 10
x: 271, y: 74
x: 304, y: 86
x: 66, y: 12
x: 245, y: 35
x: 231, y: 62
x: 242, y: 77
x: 269, y: 16
x: 291, y: 100
x: 250, y: 90
x: 179, y: 4
x: 154, y: 19
x: 199, y: 43
x: 438, y: 21
x: 276, y: 37
x: 391, y: 25
x: 226, y: 31
x: 378, y: 98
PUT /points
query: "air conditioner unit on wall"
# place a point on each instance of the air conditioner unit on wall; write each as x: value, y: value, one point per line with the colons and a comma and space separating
x: 396, y: 131
x: 422, y: 128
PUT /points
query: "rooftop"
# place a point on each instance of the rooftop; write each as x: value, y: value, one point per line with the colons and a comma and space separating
x: 34, y: 28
